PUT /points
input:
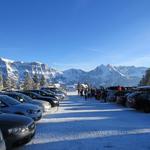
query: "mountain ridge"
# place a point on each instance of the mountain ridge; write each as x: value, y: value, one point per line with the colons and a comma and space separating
x: 105, y: 75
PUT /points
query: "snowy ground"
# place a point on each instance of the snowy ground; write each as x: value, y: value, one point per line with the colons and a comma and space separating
x: 91, y: 125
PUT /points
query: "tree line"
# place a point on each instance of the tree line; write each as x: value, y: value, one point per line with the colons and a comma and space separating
x: 145, y: 79
x: 29, y: 82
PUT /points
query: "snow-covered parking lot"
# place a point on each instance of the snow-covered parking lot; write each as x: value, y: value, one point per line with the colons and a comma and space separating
x: 91, y: 125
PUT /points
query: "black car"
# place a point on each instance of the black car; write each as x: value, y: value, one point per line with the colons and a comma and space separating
x: 131, y: 100
x: 17, y: 130
x: 121, y: 97
x: 45, y: 94
x: 33, y: 95
x: 142, y: 101
x: 55, y: 92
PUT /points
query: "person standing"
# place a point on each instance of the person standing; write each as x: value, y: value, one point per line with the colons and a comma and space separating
x: 86, y: 93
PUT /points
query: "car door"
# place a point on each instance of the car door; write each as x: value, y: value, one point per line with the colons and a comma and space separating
x: 142, y: 99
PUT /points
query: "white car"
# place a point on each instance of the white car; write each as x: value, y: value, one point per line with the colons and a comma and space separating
x: 2, y: 142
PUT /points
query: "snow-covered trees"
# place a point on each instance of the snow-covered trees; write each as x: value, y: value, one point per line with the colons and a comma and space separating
x: 28, y: 82
x: 1, y: 82
x: 146, y: 78
x: 35, y: 81
x: 7, y: 83
x: 42, y: 81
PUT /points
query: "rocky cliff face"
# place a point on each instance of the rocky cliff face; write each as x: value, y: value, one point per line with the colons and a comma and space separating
x: 17, y: 69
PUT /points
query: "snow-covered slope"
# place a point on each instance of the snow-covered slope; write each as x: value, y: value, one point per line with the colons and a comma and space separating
x: 17, y: 69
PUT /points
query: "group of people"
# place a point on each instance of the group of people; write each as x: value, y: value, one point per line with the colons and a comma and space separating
x: 90, y: 92
x: 100, y: 93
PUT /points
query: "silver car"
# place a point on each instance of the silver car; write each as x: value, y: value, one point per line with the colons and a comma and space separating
x: 11, y: 105
x: 2, y: 142
x: 45, y: 106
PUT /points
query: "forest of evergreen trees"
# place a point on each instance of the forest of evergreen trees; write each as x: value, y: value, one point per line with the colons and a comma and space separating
x: 27, y: 84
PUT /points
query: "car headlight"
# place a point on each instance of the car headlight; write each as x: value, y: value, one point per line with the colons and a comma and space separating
x: 55, y: 101
x: 47, y: 106
x: 30, y: 111
x: 17, y: 130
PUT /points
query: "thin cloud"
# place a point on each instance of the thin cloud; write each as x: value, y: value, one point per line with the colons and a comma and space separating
x: 140, y: 61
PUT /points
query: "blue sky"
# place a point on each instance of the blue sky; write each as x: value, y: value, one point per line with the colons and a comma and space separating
x: 76, y: 33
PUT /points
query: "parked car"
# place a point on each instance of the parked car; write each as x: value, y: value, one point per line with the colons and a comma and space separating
x: 45, y: 94
x: 17, y: 130
x: 111, y: 95
x: 11, y: 105
x: 36, y: 96
x: 2, y: 142
x: 142, y: 101
x: 131, y: 99
x: 45, y: 106
x: 55, y: 91
x: 121, y: 97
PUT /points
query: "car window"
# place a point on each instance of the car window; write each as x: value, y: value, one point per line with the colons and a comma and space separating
x: 32, y: 95
x: 9, y: 100
x: 43, y: 94
x: 21, y: 99
x: 2, y: 105
x: 25, y: 97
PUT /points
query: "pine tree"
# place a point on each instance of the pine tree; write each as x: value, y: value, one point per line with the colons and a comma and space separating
x: 145, y: 79
x: 28, y: 82
x: 7, y: 83
x: 13, y: 83
x: 42, y: 81
x: 1, y: 82
x: 35, y: 81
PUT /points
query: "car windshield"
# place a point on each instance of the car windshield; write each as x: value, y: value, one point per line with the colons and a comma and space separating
x: 9, y: 100
x: 25, y: 97
x: 43, y: 93
x: 35, y: 94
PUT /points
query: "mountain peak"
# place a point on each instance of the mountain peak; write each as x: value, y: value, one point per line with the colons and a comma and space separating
x: 6, y: 60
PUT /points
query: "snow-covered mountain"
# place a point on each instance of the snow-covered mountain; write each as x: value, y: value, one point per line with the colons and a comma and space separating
x: 102, y: 75
x: 17, y: 69
x: 106, y: 75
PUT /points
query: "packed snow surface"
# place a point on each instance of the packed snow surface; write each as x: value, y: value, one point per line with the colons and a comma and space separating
x: 91, y: 125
